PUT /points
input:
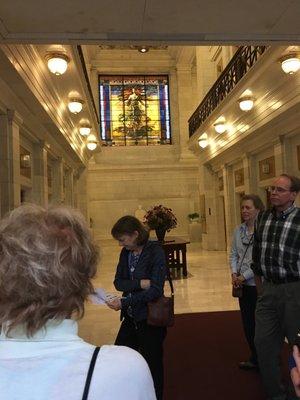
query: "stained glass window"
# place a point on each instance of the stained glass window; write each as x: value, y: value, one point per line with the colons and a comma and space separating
x: 134, y: 110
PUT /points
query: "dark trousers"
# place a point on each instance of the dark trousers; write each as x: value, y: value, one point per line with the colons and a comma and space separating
x: 148, y: 341
x: 247, y: 306
x: 277, y: 317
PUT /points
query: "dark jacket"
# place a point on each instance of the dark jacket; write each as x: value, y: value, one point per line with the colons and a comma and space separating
x: 151, y: 265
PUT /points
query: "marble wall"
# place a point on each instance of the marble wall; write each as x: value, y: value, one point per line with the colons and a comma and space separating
x: 118, y: 189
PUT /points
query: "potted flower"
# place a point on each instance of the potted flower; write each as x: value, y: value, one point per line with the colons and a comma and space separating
x: 162, y: 219
x: 193, y: 217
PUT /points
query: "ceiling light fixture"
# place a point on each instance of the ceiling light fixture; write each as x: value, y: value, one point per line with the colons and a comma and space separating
x: 57, y: 63
x: 143, y: 49
x: 85, y: 130
x: 203, y: 142
x: 246, y: 103
x: 220, y: 126
x: 75, y: 105
x: 290, y: 63
x: 92, y: 142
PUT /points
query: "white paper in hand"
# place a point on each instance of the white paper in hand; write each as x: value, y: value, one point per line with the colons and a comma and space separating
x: 101, y: 296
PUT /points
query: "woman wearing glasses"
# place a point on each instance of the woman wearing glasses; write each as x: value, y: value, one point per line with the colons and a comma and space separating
x: 242, y: 274
x: 140, y: 276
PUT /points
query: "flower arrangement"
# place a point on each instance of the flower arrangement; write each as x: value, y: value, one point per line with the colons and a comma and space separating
x: 193, y: 216
x: 160, y: 217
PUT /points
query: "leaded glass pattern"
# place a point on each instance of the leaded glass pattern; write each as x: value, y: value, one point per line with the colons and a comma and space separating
x: 134, y: 110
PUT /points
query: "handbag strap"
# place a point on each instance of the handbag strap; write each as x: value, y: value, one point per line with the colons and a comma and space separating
x: 168, y: 275
x: 250, y: 241
x: 90, y: 374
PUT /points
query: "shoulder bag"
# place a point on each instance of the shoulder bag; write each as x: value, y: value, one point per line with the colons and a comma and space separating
x: 161, y: 310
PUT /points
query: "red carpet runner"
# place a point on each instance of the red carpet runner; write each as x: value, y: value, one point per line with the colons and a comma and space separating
x: 202, y: 351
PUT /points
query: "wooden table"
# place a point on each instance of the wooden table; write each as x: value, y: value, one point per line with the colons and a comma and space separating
x: 175, y: 250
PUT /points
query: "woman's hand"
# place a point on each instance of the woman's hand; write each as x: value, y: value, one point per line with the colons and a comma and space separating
x: 145, y: 283
x: 235, y: 281
x: 295, y: 372
x: 240, y: 280
x: 114, y: 304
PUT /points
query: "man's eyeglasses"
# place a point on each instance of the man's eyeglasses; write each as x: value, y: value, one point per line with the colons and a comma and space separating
x: 278, y: 189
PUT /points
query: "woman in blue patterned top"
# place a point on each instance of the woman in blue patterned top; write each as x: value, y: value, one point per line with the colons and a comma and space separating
x: 140, y: 276
x: 242, y: 274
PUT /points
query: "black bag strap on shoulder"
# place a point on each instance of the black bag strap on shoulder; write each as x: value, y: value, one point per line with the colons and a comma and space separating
x: 90, y: 374
x: 168, y: 276
x: 244, y: 255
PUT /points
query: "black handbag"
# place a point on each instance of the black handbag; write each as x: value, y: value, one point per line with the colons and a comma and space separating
x: 237, y: 291
x: 161, y: 310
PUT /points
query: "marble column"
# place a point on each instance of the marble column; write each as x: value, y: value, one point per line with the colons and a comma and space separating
x: 206, y: 72
x: 57, y: 181
x: 185, y: 106
x: 208, y: 178
x: 82, y: 197
x: 69, y: 190
x: 40, y: 174
x: 10, y: 161
x: 229, y: 203
x: 250, y: 173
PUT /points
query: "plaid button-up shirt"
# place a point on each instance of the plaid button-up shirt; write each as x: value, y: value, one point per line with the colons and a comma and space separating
x: 276, y: 247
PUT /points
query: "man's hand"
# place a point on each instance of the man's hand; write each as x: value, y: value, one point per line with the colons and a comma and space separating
x: 145, y: 283
x: 295, y: 372
x: 258, y: 283
x: 114, y: 304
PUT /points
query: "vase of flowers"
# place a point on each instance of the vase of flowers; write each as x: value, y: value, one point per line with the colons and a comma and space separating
x: 161, y: 219
x: 194, y: 217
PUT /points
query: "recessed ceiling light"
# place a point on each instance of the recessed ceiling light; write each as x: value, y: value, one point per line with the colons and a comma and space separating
x: 143, y: 49
x: 75, y: 105
x: 85, y: 130
x: 246, y: 103
x: 290, y: 63
x: 57, y: 63
x: 220, y: 126
x: 92, y: 142
x: 203, y: 142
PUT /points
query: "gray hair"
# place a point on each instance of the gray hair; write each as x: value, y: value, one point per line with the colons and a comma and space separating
x: 47, y: 261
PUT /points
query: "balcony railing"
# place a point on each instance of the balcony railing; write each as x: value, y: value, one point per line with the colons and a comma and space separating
x: 239, y: 65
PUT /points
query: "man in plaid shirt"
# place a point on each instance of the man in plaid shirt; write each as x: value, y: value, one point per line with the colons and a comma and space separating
x: 276, y: 259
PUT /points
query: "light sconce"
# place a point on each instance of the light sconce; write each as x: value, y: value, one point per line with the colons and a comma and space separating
x: 246, y: 103
x: 143, y: 49
x: 203, y: 142
x: 75, y: 105
x: 290, y: 63
x: 57, y: 63
x: 220, y: 126
x: 85, y: 130
x: 92, y: 142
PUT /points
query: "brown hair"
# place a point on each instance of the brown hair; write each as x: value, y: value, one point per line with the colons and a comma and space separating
x: 47, y: 260
x: 295, y: 182
x: 127, y: 225
x: 256, y: 200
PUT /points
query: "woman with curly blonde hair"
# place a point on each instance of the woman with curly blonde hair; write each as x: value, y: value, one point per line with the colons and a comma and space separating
x: 47, y: 261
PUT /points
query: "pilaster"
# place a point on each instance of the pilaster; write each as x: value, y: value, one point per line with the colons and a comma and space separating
x: 57, y: 182
x: 10, y: 161
x: 39, y: 176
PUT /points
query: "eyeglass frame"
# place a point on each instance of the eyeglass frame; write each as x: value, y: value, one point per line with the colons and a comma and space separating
x: 278, y: 189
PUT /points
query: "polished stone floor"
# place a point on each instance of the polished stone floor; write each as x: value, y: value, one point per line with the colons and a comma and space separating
x: 206, y: 288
